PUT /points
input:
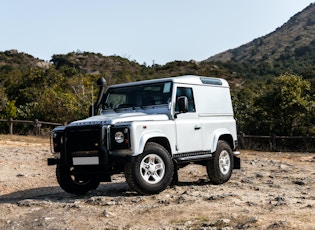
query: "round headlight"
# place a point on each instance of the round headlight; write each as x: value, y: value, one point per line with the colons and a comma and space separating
x: 119, y: 137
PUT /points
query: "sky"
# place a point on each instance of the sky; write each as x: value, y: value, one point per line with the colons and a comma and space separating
x: 145, y: 31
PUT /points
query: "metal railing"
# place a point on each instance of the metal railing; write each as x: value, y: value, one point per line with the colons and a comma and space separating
x: 277, y: 143
x: 37, y: 125
x: 254, y: 142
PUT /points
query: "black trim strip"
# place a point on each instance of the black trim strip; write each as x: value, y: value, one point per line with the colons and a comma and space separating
x: 193, y: 156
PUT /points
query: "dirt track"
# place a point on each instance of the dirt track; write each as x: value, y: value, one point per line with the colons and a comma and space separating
x: 271, y: 191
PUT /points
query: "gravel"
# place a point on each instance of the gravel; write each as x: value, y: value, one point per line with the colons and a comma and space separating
x: 271, y: 191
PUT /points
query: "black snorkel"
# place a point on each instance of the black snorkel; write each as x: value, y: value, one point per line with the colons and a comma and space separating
x: 101, y: 82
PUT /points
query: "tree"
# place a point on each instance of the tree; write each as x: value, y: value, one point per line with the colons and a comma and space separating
x: 10, y: 109
x: 287, y: 108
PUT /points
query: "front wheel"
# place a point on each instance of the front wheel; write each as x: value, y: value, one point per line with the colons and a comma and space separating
x: 220, y: 167
x: 72, y: 182
x: 151, y: 172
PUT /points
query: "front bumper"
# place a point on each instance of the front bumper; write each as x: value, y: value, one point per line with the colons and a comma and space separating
x: 53, y: 161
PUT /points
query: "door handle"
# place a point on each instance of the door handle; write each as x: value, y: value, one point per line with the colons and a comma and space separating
x: 197, y: 127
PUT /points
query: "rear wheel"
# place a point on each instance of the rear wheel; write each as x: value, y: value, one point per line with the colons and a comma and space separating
x: 220, y: 167
x: 72, y: 182
x: 152, y: 171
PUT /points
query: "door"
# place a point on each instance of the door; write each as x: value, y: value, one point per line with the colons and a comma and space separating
x: 188, y: 126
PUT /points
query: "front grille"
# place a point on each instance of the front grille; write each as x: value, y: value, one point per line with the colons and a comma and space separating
x: 80, y: 139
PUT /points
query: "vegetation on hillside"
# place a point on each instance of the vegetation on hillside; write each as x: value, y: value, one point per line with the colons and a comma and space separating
x: 283, y: 105
x: 265, y: 102
x: 272, y: 80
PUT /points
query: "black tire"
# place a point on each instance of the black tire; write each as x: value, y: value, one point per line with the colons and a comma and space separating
x: 220, y: 167
x: 75, y: 184
x: 150, y: 172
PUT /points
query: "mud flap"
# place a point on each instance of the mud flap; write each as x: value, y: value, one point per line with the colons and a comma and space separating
x: 237, y: 163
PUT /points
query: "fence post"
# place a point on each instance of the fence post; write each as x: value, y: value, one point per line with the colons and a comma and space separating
x: 10, y: 122
x: 242, y: 140
x: 37, y: 127
x: 274, y: 143
x: 306, y: 143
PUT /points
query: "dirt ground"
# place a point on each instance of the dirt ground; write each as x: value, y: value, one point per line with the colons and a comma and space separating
x: 271, y: 191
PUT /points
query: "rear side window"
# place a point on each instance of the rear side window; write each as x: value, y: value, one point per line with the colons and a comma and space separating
x: 188, y: 92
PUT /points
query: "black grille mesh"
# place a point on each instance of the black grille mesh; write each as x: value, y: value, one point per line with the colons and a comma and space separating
x: 83, y: 138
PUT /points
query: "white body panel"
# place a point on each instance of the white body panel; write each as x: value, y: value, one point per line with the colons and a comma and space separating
x: 195, y: 131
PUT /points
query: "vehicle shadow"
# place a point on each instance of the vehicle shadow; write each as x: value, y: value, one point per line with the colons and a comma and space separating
x: 56, y: 194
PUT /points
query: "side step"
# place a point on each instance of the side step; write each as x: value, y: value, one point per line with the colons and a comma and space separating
x: 191, y: 158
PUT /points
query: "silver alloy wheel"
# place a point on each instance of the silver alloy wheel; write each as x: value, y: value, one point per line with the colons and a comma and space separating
x: 224, y: 162
x: 152, y: 169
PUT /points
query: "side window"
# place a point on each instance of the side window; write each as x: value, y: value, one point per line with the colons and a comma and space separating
x: 188, y: 92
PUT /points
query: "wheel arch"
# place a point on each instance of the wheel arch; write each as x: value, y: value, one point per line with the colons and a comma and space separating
x: 155, y: 136
x: 162, y: 141
x: 224, y: 135
x: 228, y: 138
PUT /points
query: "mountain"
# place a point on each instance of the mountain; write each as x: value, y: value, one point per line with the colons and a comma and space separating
x: 290, y: 48
x: 14, y: 59
x: 87, y: 62
x: 293, y: 40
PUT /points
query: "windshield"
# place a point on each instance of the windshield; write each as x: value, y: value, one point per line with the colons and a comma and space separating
x: 138, y: 96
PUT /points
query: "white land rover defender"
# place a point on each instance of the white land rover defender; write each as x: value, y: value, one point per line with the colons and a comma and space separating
x: 148, y: 130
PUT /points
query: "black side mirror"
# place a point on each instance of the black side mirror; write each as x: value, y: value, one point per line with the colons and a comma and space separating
x: 182, y: 102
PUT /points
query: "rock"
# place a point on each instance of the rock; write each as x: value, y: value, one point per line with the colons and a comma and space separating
x: 249, y: 203
x: 137, y: 199
x: 298, y: 182
x: 248, y: 222
x: 277, y: 225
x: 280, y: 198
x: 182, y: 199
x: 30, y: 202
x: 284, y: 166
x: 97, y: 200
x: 219, y: 224
x: 108, y: 214
x: 246, y: 181
x: 164, y: 202
x: 280, y: 201
x: 71, y: 205
x: 111, y: 203
x: 258, y: 175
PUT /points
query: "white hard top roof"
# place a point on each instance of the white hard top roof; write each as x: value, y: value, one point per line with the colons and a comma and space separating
x: 186, y: 79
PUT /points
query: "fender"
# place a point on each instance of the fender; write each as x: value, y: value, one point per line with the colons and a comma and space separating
x: 216, y: 135
x: 144, y: 139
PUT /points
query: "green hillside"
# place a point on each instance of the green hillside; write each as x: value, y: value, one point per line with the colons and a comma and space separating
x: 272, y: 80
x: 289, y: 47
